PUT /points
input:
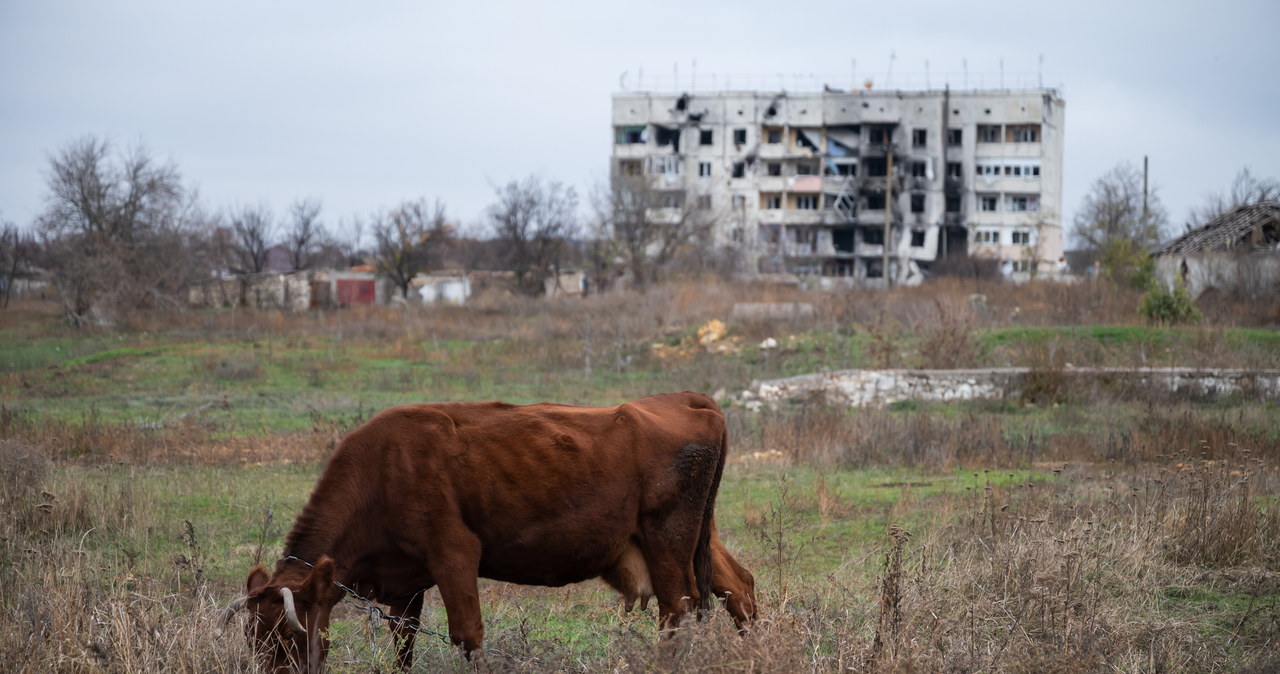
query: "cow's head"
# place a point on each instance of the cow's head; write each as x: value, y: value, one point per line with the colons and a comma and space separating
x: 289, y: 615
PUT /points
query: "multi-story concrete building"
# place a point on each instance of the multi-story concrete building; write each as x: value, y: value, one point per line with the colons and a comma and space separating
x: 801, y: 181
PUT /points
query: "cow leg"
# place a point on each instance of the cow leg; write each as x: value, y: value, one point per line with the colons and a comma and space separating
x: 734, y: 584
x: 454, y: 558
x: 670, y: 562
x: 404, y: 629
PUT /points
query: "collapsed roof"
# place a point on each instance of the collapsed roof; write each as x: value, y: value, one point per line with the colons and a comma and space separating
x: 1252, y: 227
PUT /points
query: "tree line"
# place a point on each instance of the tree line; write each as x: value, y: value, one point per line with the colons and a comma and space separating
x: 123, y: 231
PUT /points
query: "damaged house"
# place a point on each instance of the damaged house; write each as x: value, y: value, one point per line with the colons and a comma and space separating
x: 1237, y: 252
x: 862, y: 187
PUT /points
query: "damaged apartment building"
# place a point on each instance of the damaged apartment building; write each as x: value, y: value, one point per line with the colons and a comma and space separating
x: 846, y: 185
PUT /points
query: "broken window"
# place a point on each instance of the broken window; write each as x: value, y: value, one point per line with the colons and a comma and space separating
x: 919, y: 169
x: 704, y: 202
x: 988, y: 170
x: 773, y: 201
x: 955, y: 136
x: 953, y: 203
x: 664, y: 166
x: 880, y: 134
x: 875, y: 201
x: 875, y: 268
x: 1021, y: 203
x: 919, y: 137
x: 774, y: 136
x: 955, y: 170
x: 807, y: 139
x: 739, y: 201
x: 806, y: 169
x: 630, y: 167
x: 917, y: 238
x: 806, y: 202
x: 1020, y: 265
x: 917, y: 202
x: 671, y: 199
x: 847, y: 169
x: 988, y: 202
x: 668, y: 137
x: 739, y: 169
x: 987, y: 236
x: 877, y: 166
x: 774, y: 168
x: 704, y: 137
x: 1024, y: 133
x: 704, y: 169
x: 873, y: 235
x: 842, y: 240
x: 630, y: 135
x: 770, y: 233
x: 988, y: 133
x: 1021, y: 237
x: 740, y: 136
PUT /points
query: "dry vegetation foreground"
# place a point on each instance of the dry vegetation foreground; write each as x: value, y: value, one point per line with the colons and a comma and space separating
x: 144, y: 470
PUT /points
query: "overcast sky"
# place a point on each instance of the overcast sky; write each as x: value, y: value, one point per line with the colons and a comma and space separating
x: 363, y: 105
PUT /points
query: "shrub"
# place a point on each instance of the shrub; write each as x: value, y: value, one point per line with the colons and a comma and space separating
x: 1169, y: 307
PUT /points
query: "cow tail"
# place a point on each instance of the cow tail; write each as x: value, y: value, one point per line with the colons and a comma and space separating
x: 702, y: 563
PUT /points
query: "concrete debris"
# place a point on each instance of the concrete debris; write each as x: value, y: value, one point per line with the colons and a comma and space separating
x: 874, y: 388
x: 711, y: 337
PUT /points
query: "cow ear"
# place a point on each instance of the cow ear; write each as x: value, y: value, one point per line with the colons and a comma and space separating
x: 320, y: 581
x: 258, y: 577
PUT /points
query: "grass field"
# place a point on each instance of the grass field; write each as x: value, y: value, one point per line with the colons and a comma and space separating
x: 144, y: 470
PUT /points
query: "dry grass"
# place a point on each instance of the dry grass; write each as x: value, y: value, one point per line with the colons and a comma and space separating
x: 1156, y: 549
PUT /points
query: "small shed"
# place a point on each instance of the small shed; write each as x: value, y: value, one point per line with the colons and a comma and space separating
x: 1236, y: 251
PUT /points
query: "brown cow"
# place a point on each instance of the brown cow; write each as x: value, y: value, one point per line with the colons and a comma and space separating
x: 542, y: 494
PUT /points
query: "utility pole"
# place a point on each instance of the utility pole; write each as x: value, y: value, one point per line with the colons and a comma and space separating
x: 888, y: 212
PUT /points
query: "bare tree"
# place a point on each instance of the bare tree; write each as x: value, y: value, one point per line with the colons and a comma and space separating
x: 405, y: 238
x: 305, y: 235
x: 1114, y: 211
x: 534, y: 219
x: 1245, y: 189
x: 252, y: 229
x: 647, y: 228
x: 117, y: 230
x: 17, y: 251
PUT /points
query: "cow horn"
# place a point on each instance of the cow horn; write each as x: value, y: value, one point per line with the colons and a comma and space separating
x: 291, y: 612
x: 233, y: 608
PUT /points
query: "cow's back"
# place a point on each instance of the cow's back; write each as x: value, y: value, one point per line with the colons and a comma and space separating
x: 553, y: 491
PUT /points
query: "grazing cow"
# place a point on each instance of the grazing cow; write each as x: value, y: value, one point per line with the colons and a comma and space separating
x: 546, y: 494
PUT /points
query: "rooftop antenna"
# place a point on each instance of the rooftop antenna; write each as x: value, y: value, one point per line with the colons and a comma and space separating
x: 1040, y: 73
x: 888, y: 78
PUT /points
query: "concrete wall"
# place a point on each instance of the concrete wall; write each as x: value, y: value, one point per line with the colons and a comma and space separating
x: 861, y: 388
x: 287, y: 292
x: 1250, y: 274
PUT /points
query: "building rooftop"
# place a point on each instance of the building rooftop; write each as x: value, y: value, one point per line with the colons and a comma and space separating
x: 1253, y: 226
